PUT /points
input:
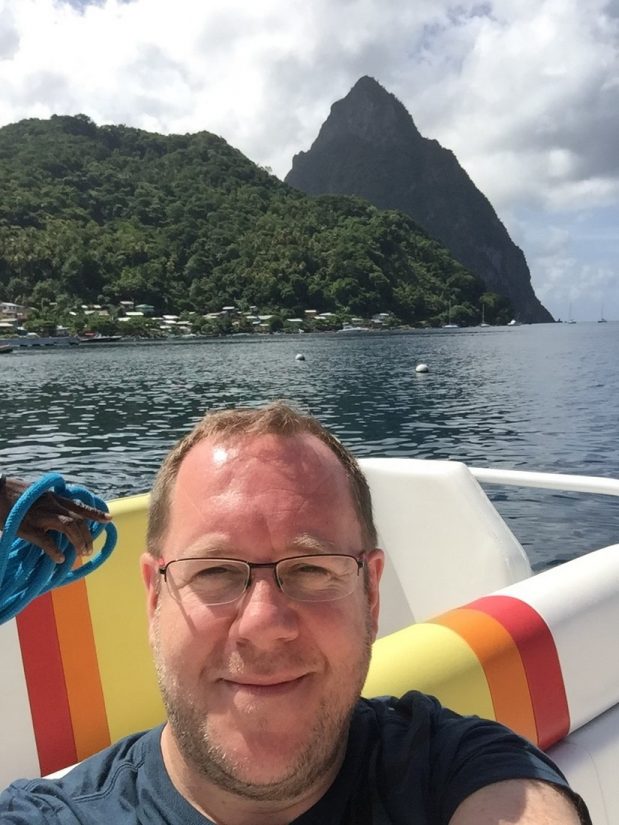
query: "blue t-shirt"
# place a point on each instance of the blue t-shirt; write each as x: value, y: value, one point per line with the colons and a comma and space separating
x: 407, y: 760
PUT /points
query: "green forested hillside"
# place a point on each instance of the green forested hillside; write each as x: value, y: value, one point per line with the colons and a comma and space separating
x: 186, y: 222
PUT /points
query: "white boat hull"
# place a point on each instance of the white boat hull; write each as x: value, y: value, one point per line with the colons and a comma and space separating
x: 462, y: 618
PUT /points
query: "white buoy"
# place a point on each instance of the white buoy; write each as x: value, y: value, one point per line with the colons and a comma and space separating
x: 299, y: 357
x: 422, y: 368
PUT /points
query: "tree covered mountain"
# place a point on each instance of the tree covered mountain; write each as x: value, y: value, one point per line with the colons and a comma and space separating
x: 186, y: 222
x: 369, y: 146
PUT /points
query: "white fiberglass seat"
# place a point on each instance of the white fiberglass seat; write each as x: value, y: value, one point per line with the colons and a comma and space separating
x: 445, y: 542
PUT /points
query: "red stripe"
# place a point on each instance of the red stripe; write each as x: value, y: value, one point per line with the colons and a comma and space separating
x: 47, y: 692
x: 540, y: 660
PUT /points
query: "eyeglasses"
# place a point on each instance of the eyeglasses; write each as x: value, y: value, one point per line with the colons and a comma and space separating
x: 315, y: 578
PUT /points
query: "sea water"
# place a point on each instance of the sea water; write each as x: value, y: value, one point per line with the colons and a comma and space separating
x: 541, y: 397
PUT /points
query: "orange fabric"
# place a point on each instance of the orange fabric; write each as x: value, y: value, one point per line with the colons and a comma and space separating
x: 81, y: 669
x: 502, y: 666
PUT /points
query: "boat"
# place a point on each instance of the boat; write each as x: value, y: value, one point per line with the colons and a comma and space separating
x: 570, y: 319
x: 484, y: 323
x: 601, y: 319
x: 99, y: 339
x: 463, y: 617
x: 449, y: 324
x: 5, y: 348
x: 351, y: 328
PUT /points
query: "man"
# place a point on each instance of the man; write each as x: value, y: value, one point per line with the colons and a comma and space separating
x: 262, y: 590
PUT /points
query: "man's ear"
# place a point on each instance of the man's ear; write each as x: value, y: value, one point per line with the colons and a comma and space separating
x: 149, y: 567
x: 375, y: 563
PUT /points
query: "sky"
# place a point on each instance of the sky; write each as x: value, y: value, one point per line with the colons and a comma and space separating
x: 524, y: 92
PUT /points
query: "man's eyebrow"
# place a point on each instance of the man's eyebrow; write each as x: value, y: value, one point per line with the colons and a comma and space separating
x: 312, y: 544
x: 218, y: 545
x: 213, y: 545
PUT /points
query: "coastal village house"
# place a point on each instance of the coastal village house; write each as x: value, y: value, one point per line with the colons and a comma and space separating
x: 9, y: 310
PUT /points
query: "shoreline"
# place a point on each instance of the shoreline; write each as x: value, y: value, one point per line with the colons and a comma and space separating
x: 73, y: 341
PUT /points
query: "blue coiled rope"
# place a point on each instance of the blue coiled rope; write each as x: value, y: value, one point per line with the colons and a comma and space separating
x: 26, y: 571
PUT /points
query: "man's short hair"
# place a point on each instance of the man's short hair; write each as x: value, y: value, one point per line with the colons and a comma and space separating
x: 277, y: 418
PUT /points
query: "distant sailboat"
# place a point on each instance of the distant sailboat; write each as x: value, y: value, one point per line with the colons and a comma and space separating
x: 601, y: 319
x: 450, y: 325
x: 483, y: 316
x: 570, y: 320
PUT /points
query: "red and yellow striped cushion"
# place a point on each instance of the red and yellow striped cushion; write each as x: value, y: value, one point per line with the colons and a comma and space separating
x: 494, y: 657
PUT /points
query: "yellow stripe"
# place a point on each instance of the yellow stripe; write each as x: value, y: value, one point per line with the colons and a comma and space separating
x: 118, y: 613
x: 435, y: 660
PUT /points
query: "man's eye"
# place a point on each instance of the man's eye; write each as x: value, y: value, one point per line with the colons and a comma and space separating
x: 310, y: 570
x: 218, y: 570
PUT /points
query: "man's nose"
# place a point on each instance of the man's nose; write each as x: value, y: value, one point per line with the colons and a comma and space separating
x: 265, y: 614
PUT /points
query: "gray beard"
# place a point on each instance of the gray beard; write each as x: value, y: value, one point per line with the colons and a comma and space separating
x: 323, y: 747
x: 212, y: 762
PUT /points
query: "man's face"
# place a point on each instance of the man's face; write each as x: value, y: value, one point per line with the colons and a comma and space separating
x: 259, y: 692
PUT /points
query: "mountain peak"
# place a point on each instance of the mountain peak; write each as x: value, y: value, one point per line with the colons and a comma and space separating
x: 370, y: 113
x: 368, y: 85
x: 369, y: 146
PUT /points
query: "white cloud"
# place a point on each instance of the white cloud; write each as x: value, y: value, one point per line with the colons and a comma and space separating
x: 9, y: 36
x: 525, y: 92
x: 571, y: 257
x: 536, y: 89
x: 570, y: 288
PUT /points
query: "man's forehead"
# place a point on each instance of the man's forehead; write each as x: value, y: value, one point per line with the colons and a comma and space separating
x: 262, y: 480
x: 300, y: 452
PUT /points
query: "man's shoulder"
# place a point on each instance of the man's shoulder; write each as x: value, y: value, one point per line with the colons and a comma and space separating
x: 418, y: 722
x: 414, y: 710
x: 442, y: 757
x: 118, y: 762
x: 84, y: 793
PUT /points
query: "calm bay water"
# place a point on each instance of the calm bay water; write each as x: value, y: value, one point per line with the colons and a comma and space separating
x: 533, y: 397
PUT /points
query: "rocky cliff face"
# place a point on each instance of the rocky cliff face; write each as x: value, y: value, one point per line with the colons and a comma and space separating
x: 370, y: 146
